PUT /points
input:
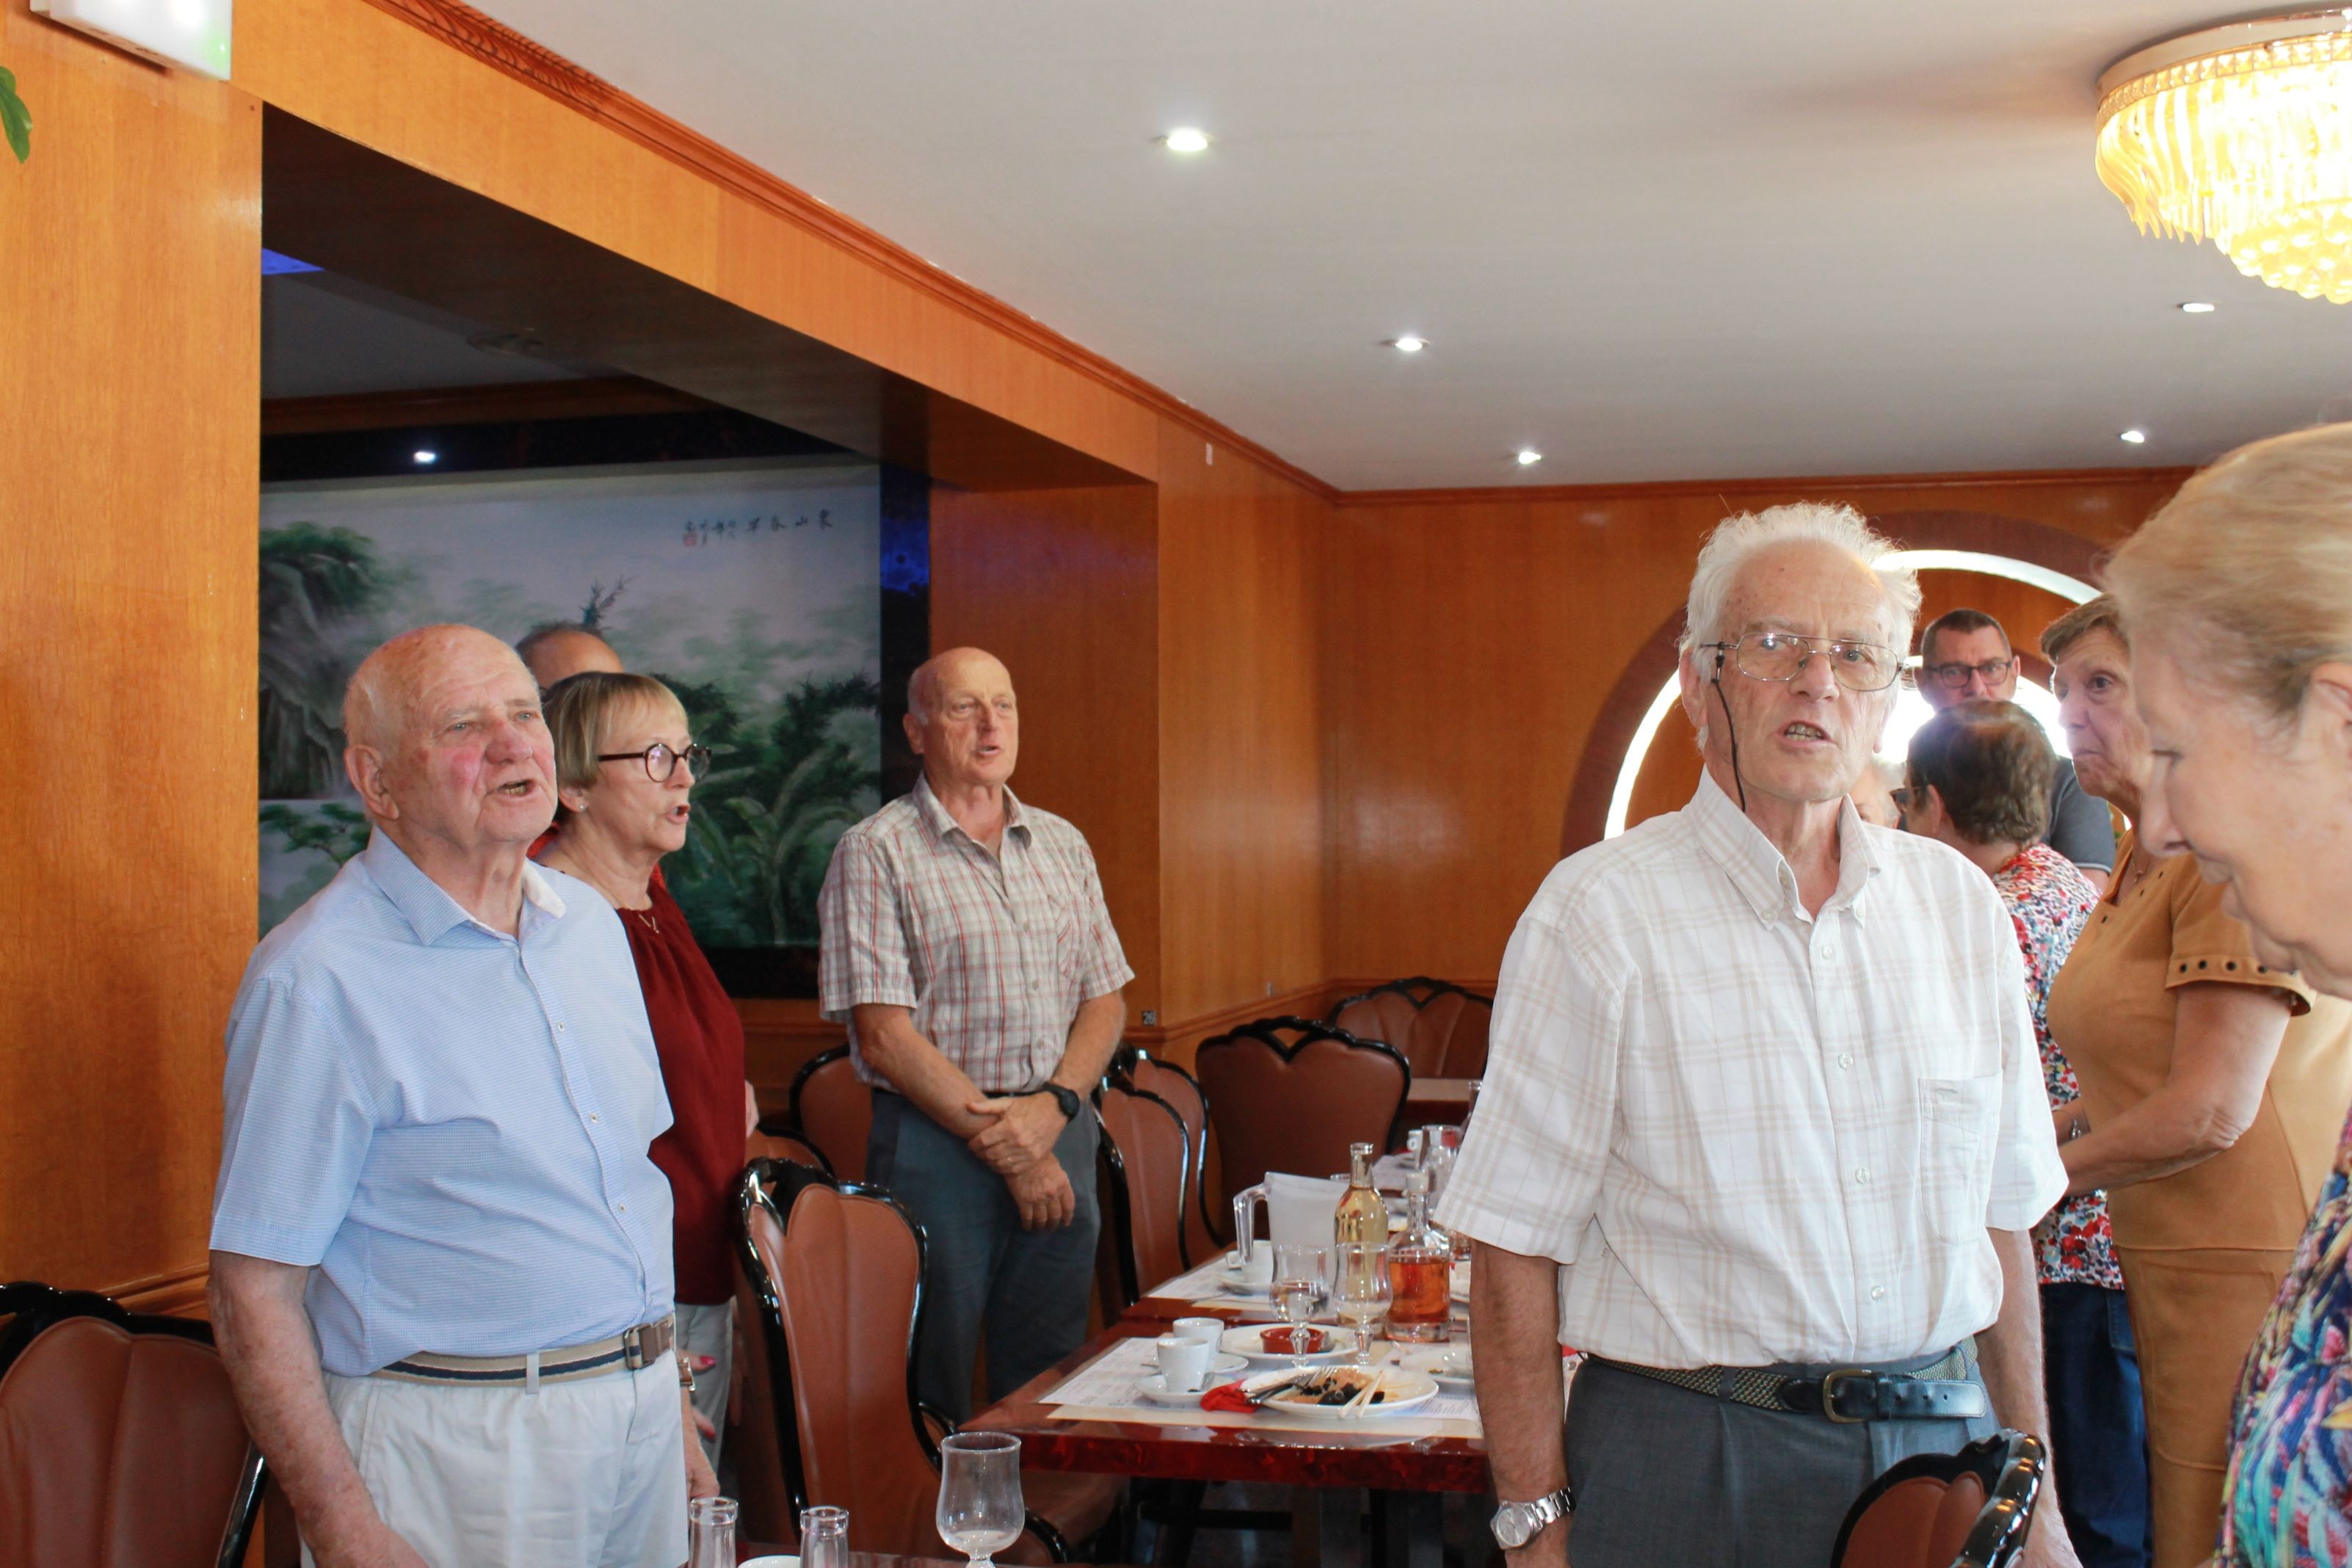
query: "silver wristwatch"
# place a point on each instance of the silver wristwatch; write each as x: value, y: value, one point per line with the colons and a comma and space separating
x: 1517, y: 1523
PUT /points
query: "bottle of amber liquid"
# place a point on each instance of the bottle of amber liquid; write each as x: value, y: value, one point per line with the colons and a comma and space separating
x: 1361, y: 1216
x: 1420, y: 1270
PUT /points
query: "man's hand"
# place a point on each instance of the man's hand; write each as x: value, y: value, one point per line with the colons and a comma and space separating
x: 2046, y: 1544
x: 1022, y: 1132
x: 699, y: 1480
x: 751, y: 1109
x: 379, y: 1547
x: 1043, y: 1193
x: 1548, y: 1550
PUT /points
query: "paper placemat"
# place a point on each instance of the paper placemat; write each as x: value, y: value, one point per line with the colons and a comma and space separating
x: 1204, y: 1287
x: 1104, y: 1390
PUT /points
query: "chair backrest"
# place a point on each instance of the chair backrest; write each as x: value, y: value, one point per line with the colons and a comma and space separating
x: 831, y: 1110
x: 1968, y: 1509
x: 1291, y: 1094
x: 1440, y: 1026
x: 1180, y: 1093
x: 1148, y: 1157
x: 121, y: 1443
x: 764, y: 1445
x: 850, y: 1277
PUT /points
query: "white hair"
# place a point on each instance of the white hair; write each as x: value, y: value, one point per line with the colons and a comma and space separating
x: 1736, y: 541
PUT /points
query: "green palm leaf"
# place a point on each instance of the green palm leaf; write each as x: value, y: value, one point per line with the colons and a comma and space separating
x: 16, y: 120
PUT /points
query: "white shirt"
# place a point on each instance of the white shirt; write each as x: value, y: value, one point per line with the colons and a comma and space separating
x: 1747, y: 1134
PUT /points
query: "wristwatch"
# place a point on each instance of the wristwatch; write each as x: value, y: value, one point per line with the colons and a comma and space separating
x: 1067, y: 1098
x: 1517, y: 1523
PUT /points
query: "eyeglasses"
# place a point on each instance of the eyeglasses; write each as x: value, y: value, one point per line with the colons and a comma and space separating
x: 1783, y: 656
x: 661, y: 760
x: 1992, y: 669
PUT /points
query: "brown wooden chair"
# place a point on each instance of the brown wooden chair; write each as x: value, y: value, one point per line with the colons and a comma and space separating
x: 1147, y: 1158
x: 845, y: 1293
x: 1291, y: 1094
x: 121, y: 1443
x: 1968, y: 1509
x: 1204, y: 1223
x: 831, y: 1112
x: 762, y: 1445
x: 1439, y: 1026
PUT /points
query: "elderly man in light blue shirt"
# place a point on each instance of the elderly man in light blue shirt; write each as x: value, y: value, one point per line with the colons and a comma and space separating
x: 441, y: 1256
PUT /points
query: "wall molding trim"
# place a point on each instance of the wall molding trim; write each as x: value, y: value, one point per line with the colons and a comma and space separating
x: 1842, y: 484
x: 177, y: 1293
x: 472, y: 33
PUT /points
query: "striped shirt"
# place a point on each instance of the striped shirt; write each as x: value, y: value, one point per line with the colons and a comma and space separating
x: 1749, y: 1134
x: 993, y: 953
x: 447, y: 1123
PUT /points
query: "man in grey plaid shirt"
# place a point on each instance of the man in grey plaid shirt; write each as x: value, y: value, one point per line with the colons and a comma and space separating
x: 967, y: 946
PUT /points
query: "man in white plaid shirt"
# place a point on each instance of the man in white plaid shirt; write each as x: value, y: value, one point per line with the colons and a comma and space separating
x: 967, y: 946
x: 1763, y: 1130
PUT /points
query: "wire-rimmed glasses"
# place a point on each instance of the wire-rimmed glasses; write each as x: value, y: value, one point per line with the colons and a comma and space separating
x: 1783, y: 656
x: 661, y: 760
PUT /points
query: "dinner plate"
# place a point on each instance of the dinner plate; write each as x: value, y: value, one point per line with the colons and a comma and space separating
x: 1236, y: 1283
x: 1339, y: 1344
x: 1450, y: 1365
x: 1154, y: 1389
x: 1406, y: 1390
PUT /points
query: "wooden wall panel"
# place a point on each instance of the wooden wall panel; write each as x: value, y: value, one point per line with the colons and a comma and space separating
x: 1470, y: 645
x: 1064, y: 586
x: 130, y: 445
x: 1242, y: 603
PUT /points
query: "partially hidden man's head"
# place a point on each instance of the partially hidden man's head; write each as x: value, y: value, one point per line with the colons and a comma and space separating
x: 446, y: 743
x: 1979, y: 774
x: 1797, y: 625
x: 962, y: 720
x: 1965, y: 656
x: 557, y: 650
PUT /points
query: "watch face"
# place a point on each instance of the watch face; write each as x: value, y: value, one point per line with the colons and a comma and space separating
x: 1515, y: 1524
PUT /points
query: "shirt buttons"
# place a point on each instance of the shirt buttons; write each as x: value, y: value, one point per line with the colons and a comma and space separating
x: 1878, y: 1292
x: 1845, y: 1058
x: 625, y: 1208
x: 593, y: 1117
x: 1829, y: 952
x: 1861, y: 1175
x: 559, y: 1028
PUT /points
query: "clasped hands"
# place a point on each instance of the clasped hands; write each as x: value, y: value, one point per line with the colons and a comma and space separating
x: 1018, y: 1145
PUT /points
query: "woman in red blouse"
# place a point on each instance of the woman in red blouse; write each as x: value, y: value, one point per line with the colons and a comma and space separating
x: 624, y: 768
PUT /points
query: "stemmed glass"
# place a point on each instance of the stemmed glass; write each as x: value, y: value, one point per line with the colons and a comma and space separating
x: 1301, y: 1287
x: 1361, y: 1291
x: 981, y: 1512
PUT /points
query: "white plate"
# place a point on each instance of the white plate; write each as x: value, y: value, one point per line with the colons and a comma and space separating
x: 1154, y: 1388
x: 1236, y: 1283
x: 1449, y: 1364
x: 1408, y: 1389
x: 1339, y: 1344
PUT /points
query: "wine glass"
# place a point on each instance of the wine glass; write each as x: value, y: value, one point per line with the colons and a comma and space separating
x: 981, y: 1512
x: 1301, y: 1287
x: 1361, y: 1291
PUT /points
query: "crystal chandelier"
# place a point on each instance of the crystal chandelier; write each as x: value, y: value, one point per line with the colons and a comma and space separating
x: 2241, y: 134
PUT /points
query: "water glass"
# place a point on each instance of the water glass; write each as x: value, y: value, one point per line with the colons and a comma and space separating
x: 824, y: 1538
x: 711, y: 1532
x: 981, y: 1512
x: 1361, y: 1291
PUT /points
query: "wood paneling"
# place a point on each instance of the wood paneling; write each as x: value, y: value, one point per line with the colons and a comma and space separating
x: 129, y: 444
x: 594, y: 397
x: 1474, y: 646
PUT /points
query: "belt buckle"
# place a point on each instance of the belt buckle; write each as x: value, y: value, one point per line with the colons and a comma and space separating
x: 632, y: 1352
x: 1829, y: 1395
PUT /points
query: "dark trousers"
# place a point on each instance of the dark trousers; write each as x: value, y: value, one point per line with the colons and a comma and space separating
x: 2092, y: 1371
x: 1662, y: 1475
x: 1027, y: 1290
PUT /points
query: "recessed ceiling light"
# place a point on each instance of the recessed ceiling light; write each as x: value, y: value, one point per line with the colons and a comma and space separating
x: 1186, y: 138
x: 2197, y: 307
x: 1529, y: 455
x: 1408, y: 344
x: 2135, y: 436
x: 425, y: 457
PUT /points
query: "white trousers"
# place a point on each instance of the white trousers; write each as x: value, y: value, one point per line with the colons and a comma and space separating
x: 579, y: 1475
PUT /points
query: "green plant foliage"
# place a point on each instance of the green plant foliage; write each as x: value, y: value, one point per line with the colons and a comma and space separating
x: 315, y: 584
x: 16, y: 120
x: 335, y: 830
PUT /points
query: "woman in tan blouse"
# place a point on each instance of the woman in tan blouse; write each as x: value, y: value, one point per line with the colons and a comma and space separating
x: 2213, y: 1090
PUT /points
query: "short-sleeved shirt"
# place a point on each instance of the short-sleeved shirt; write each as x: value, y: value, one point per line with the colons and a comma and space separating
x: 2081, y: 826
x: 993, y: 953
x: 2050, y: 900
x: 447, y: 1123
x: 2112, y: 1012
x: 1752, y: 1135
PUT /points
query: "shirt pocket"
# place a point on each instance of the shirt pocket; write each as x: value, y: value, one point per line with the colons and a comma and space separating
x: 1959, y: 1122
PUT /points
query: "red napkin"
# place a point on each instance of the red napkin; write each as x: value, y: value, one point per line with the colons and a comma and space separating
x: 1227, y: 1397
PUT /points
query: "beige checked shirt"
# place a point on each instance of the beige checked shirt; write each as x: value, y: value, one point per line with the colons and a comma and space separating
x: 1749, y: 1135
x: 994, y: 953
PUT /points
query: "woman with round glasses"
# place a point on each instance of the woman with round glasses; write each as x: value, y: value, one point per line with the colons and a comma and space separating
x: 624, y: 767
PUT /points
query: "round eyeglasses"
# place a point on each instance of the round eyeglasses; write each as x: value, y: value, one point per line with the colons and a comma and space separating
x: 1994, y: 670
x: 1783, y: 656
x: 661, y: 760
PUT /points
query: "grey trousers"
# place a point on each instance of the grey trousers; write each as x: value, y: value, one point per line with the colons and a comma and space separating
x: 1027, y: 1290
x: 1662, y: 1475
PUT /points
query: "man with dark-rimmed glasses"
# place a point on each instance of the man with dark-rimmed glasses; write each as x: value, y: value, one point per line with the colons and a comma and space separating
x: 1964, y: 656
x: 1763, y: 1130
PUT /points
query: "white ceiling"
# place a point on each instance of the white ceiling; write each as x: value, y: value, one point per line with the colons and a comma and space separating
x: 1658, y: 241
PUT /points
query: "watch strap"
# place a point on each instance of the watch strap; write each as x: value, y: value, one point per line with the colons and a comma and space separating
x: 1067, y: 1098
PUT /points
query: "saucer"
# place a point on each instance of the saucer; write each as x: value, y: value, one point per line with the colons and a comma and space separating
x: 1154, y: 1390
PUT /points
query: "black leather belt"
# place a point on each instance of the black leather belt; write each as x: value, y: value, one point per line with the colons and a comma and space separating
x: 1939, y: 1392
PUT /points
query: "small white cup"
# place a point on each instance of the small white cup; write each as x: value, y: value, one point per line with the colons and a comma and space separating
x: 1208, y: 1331
x: 1259, y: 1268
x: 1184, y: 1363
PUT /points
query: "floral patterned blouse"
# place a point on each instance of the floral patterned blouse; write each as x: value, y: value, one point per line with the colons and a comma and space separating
x: 2050, y: 900
x: 2288, y: 1501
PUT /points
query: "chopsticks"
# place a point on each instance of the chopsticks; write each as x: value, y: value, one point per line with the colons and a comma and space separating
x: 1371, y: 1386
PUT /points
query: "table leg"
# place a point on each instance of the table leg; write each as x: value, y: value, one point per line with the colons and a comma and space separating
x: 1326, y: 1527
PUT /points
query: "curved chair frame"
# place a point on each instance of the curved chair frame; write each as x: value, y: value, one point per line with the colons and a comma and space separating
x: 1122, y: 1066
x: 1420, y: 990
x: 2010, y: 1464
x: 809, y: 1069
x: 35, y: 1309
x: 1309, y: 1031
x: 1122, y: 1198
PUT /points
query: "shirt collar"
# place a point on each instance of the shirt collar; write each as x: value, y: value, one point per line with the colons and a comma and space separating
x: 427, y: 906
x: 946, y: 826
x: 1758, y: 869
